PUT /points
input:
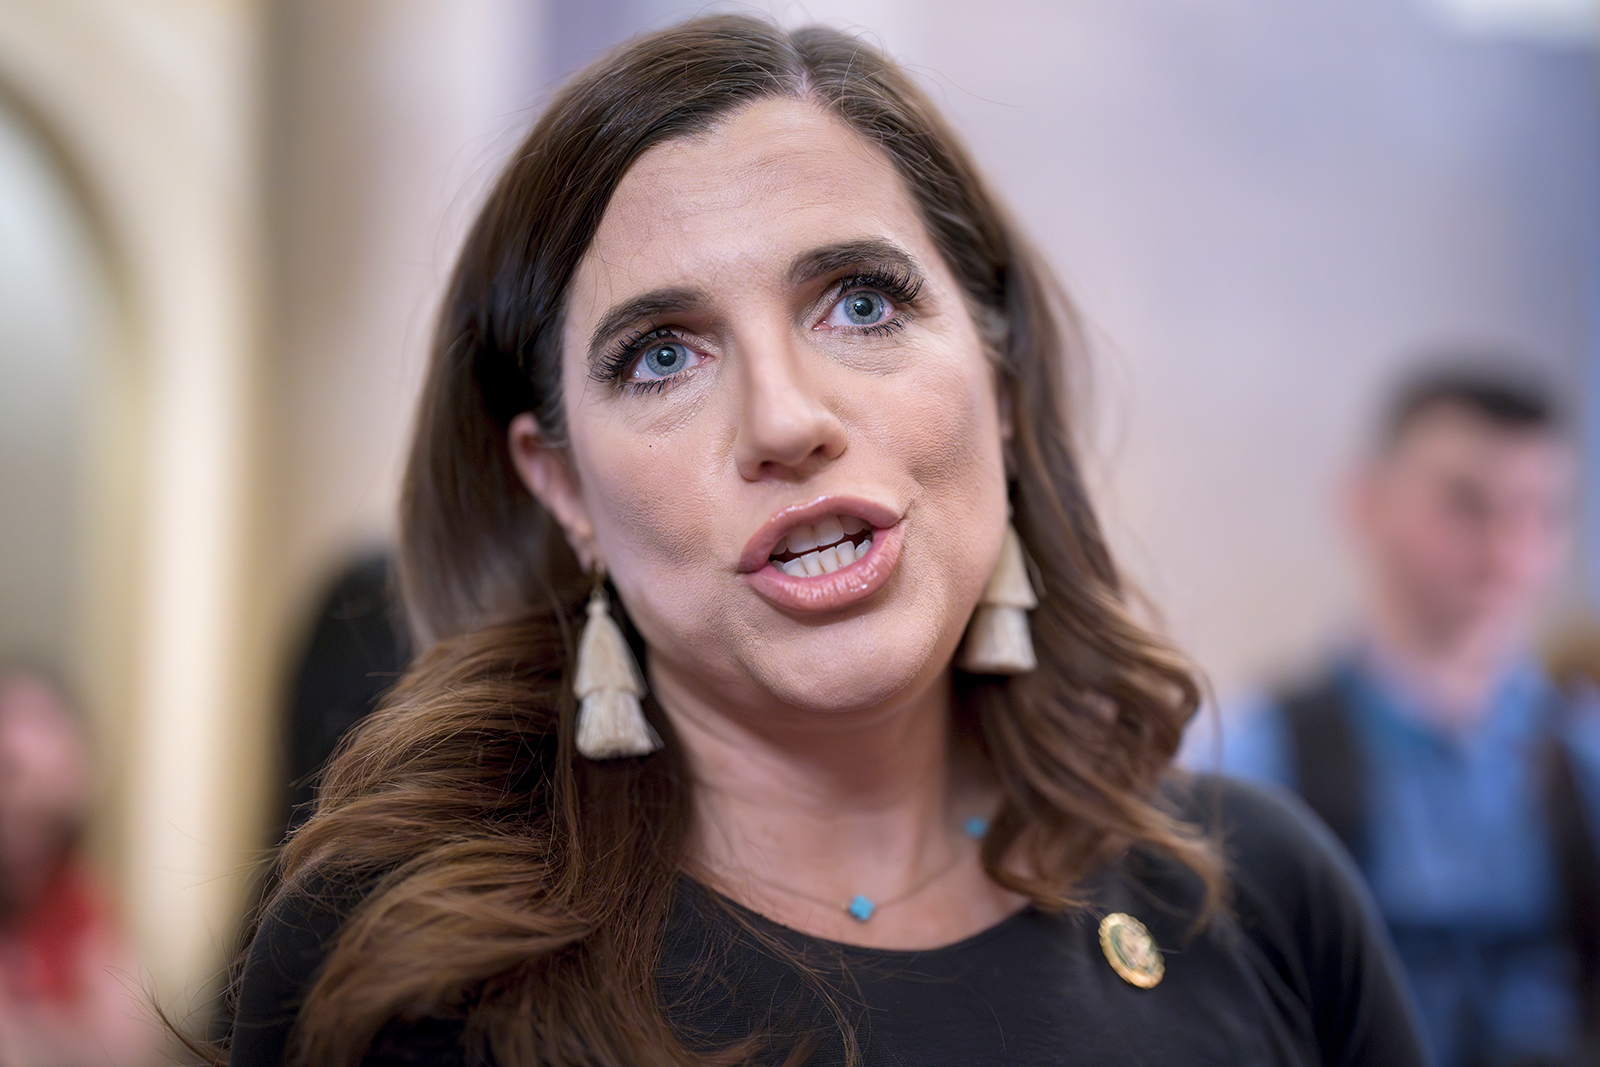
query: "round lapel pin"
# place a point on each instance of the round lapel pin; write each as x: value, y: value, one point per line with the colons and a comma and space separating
x: 1130, y: 950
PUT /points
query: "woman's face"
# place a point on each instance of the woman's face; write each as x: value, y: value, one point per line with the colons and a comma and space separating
x: 764, y: 355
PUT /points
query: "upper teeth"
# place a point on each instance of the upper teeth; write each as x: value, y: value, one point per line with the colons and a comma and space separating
x: 830, y: 533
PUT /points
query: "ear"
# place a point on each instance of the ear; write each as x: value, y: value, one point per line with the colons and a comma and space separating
x: 548, y: 474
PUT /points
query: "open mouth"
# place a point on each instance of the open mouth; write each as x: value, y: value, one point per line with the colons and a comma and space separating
x: 813, y: 549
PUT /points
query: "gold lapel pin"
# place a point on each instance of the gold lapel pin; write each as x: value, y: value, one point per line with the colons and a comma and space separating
x: 1131, y: 951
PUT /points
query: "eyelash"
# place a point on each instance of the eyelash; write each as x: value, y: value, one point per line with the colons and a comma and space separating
x: 616, y: 364
x: 900, y: 286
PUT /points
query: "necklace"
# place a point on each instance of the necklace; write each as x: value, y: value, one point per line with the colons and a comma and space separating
x: 862, y: 907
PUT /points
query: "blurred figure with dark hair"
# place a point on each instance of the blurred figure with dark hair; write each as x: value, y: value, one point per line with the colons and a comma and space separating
x: 355, y: 651
x: 1462, y: 780
x: 69, y: 991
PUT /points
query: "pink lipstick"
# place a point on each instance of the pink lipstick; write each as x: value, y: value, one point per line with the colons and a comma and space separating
x: 823, y: 555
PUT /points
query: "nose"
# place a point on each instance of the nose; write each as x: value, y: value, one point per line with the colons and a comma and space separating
x: 786, y: 428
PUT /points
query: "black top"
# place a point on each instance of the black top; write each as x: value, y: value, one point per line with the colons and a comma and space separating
x: 1296, y: 973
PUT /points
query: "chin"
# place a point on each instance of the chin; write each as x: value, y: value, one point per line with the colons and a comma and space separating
x: 858, y: 675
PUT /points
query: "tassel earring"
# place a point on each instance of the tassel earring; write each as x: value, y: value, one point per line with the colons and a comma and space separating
x: 611, y: 724
x: 998, y: 640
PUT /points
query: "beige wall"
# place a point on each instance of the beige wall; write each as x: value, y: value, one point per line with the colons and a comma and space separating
x: 387, y: 119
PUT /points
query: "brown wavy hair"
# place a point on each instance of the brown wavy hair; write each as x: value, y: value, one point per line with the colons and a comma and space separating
x: 509, y: 882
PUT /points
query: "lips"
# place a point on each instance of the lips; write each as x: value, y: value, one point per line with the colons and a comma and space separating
x: 823, y: 555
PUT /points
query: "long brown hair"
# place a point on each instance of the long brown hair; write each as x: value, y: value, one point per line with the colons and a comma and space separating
x: 512, y: 883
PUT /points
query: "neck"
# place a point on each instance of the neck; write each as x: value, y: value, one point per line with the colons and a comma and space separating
x: 1453, y: 670
x: 878, y: 777
x: 796, y: 811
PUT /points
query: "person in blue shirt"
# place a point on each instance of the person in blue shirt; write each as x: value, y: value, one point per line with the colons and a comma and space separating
x: 1466, y: 785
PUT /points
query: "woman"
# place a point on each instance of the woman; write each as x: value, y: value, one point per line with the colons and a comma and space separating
x: 742, y: 355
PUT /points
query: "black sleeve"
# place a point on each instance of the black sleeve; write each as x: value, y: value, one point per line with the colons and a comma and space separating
x: 282, y: 963
x: 1316, y: 936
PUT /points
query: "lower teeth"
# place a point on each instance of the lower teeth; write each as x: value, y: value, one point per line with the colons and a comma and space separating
x: 825, y: 560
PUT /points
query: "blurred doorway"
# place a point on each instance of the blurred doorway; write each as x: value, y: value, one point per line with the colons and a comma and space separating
x: 65, y: 399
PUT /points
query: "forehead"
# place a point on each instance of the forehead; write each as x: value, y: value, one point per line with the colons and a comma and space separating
x: 776, y: 177
x: 1451, y: 439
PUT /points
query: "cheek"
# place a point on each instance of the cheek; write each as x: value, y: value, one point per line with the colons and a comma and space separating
x: 944, y: 431
x: 650, y: 500
x: 653, y: 505
x: 1427, y: 531
x: 1432, y: 556
x: 624, y: 470
x: 950, y: 429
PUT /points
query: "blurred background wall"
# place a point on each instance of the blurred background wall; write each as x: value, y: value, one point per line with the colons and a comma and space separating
x: 224, y: 226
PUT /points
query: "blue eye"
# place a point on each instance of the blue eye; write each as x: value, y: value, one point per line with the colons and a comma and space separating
x: 662, y: 360
x: 864, y: 308
x: 648, y: 362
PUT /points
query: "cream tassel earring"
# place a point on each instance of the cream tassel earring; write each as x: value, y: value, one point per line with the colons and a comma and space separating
x: 998, y: 640
x: 611, y: 724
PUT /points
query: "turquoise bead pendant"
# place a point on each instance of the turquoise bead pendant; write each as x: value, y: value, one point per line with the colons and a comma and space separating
x: 861, y: 908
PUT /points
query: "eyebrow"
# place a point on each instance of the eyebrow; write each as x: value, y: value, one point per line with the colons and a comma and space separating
x: 807, y: 265
x: 643, y: 308
x: 847, y: 254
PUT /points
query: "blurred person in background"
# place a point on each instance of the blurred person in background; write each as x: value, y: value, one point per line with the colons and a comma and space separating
x: 352, y: 652
x: 352, y: 655
x: 68, y: 983
x: 1464, y: 782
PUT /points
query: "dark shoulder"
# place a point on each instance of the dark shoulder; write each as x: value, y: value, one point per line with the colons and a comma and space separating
x: 1268, y: 834
x: 1307, y: 920
x: 1291, y: 886
x: 293, y: 938
x: 1291, y: 880
x: 297, y: 931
